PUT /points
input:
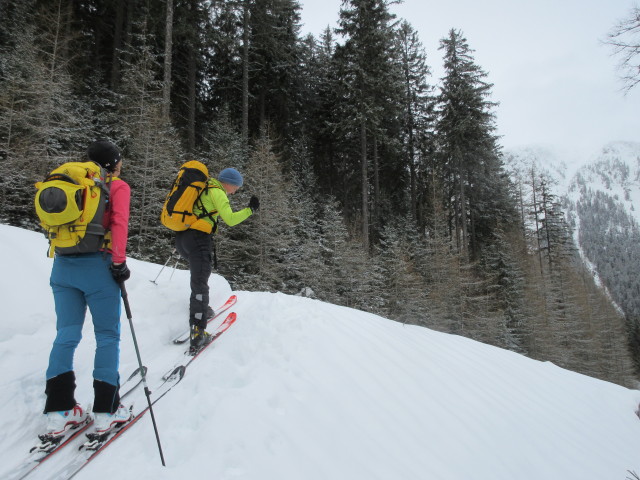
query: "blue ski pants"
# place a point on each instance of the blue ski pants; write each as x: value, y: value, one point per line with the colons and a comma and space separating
x: 79, y: 281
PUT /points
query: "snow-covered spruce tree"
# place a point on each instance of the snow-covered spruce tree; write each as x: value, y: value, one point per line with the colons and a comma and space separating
x: 505, y: 283
x: 223, y: 146
x: 253, y: 254
x: 308, y: 271
x: 405, y: 293
x: 333, y: 283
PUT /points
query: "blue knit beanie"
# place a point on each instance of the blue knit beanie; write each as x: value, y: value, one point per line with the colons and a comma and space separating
x: 231, y: 176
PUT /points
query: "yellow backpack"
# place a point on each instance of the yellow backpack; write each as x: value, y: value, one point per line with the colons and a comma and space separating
x: 70, y: 204
x: 177, y: 212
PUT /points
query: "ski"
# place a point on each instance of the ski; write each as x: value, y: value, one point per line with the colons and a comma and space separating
x: 49, y: 446
x: 96, y: 443
x: 190, y: 355
x: 90, y: 449
x: 231, y: 301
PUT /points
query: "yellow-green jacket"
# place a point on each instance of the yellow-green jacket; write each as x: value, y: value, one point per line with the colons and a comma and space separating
x: 215, y: 201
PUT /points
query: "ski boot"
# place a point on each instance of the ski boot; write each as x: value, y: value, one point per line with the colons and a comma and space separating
x: 58, y: 423
x: 106, y: 424
x: 198, y: 339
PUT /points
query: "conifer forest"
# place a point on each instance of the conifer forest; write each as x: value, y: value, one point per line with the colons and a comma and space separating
x: 381, y: 188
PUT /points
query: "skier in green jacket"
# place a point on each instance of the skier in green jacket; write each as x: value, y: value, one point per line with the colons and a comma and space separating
x: 195, y: 245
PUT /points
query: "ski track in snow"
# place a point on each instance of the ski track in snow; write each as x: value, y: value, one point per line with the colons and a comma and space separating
x: 301, y: 389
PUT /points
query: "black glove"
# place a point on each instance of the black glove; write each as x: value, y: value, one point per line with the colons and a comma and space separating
x: 254, y: 203
x: 120, y: 272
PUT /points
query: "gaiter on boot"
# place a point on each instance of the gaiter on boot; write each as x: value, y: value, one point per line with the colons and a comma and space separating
x: 60, y: 392
x: 107, y: 397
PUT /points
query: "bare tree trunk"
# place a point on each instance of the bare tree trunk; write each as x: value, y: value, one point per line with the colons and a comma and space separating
x: 376, y: 186
x: 117, y: 45
x: 127, y: 31
x: 168, y: 57
x: 191, y: 128
x: 262, y: 108
x: 245, y: 74
x: 68, y: 33
x: 412, y: 172
x: 522, y: 214
x: 463, y: 206
x: 365, y: 186
x: 535, y: 216
x: 56, y: 41
x: 545, y: 209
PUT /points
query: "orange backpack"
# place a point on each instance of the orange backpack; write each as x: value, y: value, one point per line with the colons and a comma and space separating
x: 177, y: 212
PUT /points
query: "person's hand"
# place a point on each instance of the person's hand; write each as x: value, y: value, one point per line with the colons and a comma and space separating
x: 120, y: 272
x: 254, y: 203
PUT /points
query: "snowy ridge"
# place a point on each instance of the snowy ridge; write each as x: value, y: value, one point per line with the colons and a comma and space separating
x: 615, y: 171
x: 301, y: 389
x: 544, y: 159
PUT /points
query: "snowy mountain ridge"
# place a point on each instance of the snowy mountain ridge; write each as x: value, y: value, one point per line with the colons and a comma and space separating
x: 616, y: 172
x: 301, y: 389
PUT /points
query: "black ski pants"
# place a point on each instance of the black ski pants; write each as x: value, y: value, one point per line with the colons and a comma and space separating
x: 195, y: 247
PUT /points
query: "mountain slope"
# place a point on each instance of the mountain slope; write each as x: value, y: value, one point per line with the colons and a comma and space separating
x: 601, y: 200
x: 300, y: 389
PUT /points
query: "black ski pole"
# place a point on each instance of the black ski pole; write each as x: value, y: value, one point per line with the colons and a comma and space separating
x: 125, y: 299
x: 165, y: 264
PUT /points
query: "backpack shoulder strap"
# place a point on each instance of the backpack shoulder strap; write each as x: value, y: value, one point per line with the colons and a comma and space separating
x: 205, y: 213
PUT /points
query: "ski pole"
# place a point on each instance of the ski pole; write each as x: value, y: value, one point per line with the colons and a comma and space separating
x: 165, y: 264
x: 125, y: 299
x: 174, y: 268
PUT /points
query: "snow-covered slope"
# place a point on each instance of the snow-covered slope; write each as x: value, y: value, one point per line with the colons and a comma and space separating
x: 543, y: 159
x: 300, y: 389
x: 615, y: 170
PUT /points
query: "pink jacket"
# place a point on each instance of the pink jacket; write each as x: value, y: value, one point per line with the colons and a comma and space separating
x: 116, y: 219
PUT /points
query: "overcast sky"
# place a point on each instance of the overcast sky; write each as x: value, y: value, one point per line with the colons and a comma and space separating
x: 556, y: 83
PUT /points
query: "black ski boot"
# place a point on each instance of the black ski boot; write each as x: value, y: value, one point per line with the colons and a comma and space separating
x: 198, y: 339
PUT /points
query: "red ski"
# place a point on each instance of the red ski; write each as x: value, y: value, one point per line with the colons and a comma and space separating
x: 231, y: 301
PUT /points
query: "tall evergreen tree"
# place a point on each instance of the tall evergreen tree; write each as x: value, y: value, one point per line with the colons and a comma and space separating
x: 192, y: 21
x: 417, y: 106
x: 369, y: 87
x: 274, y: 66
x: 224, y: 61
x: 322, y: 98
x: 476, y: 188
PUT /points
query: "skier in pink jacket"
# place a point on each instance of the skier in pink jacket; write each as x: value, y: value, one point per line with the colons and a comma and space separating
x: 91, y: 279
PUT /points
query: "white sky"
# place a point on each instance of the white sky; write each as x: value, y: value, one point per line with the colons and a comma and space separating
x: 556, y: 83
